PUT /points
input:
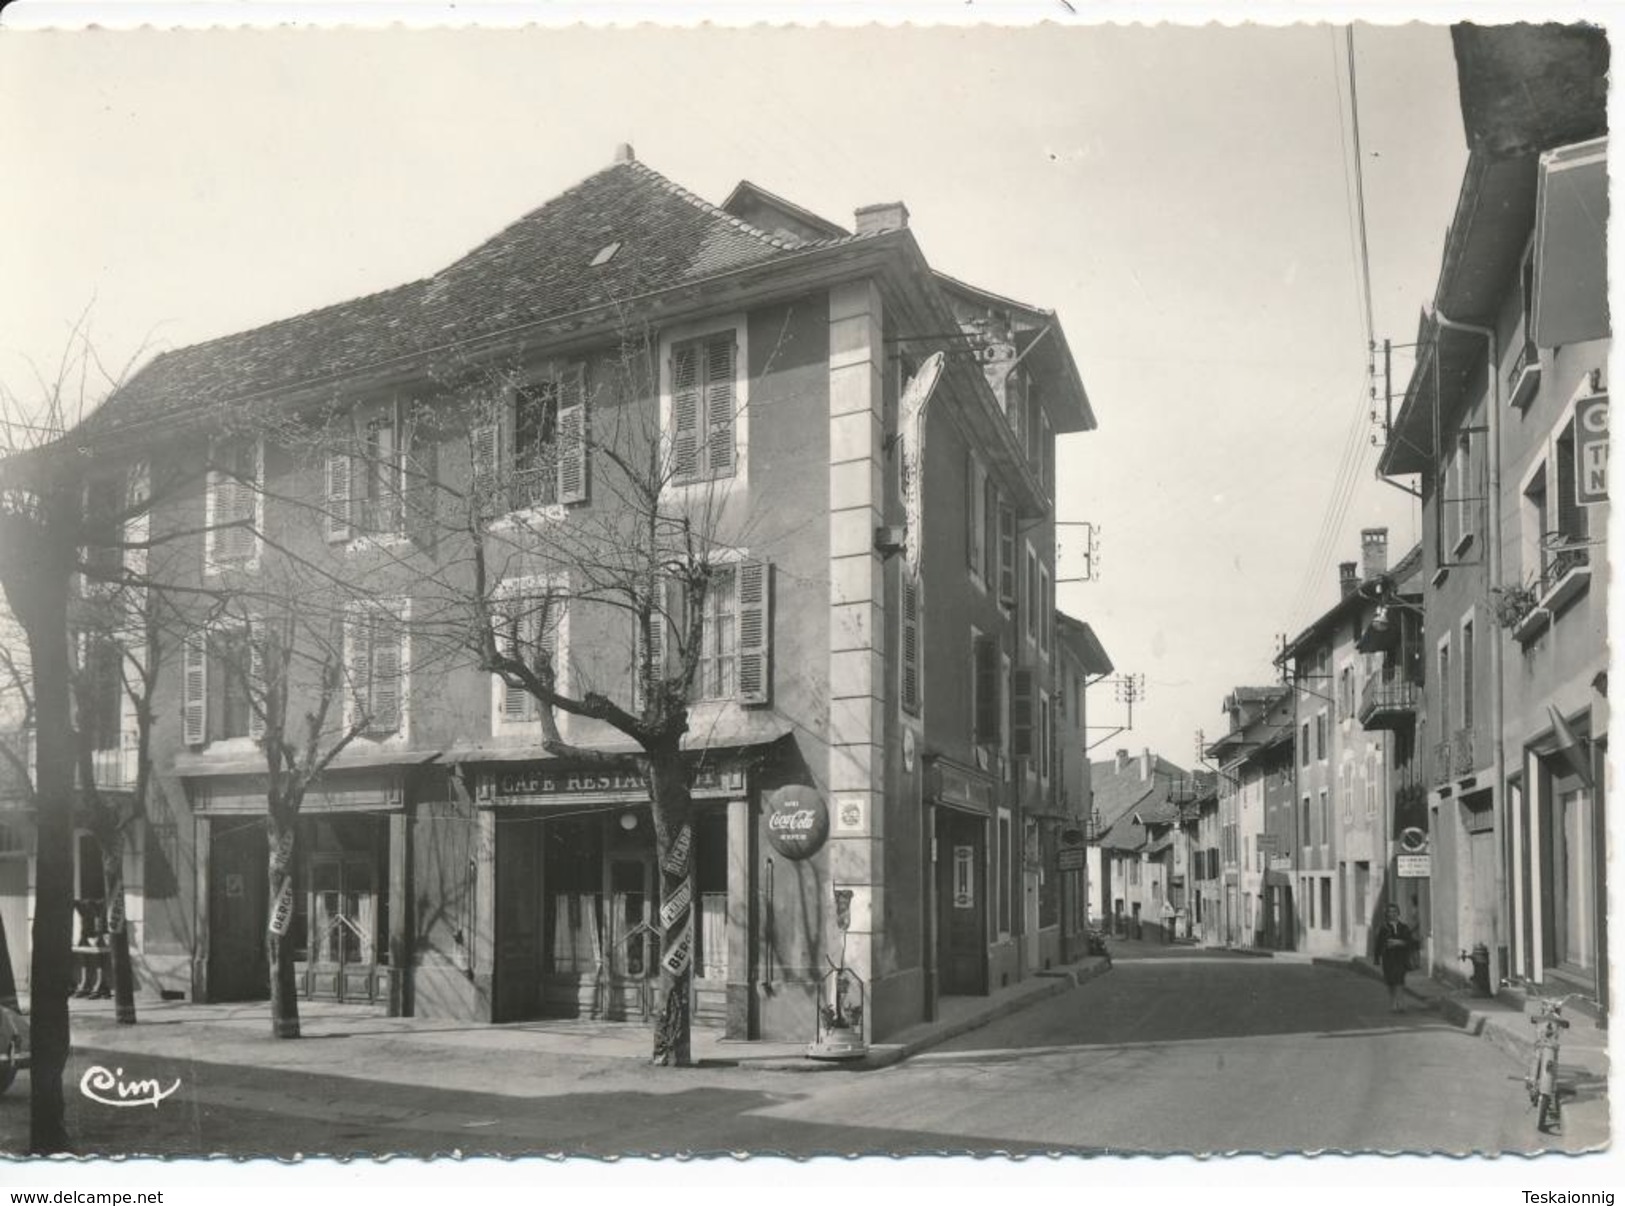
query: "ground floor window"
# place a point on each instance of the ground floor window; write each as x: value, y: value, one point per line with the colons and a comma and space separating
x: 1571, y: 868
x: 1326, y: 902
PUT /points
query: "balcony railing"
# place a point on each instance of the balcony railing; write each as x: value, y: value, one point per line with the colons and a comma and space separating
x: 1524, y: 378
x: 115, y: 768
x: 1461, y: 752
x: 1388, y: 704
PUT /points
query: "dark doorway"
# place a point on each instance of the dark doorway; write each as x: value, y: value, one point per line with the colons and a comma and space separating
x: 238, y: 882
x: 961, y: 903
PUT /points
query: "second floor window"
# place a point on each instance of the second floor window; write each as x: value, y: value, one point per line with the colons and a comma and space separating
x: 233, y: 503
x: 704, y: 408
x: 530, y: 617
x: 734, y: 659
x: 375, y: 657
x: 221, y: 673
x: 533, y: 451
x: 99, y: 690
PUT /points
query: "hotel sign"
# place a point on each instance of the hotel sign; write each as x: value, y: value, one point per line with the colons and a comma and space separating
x: 1591, y: 450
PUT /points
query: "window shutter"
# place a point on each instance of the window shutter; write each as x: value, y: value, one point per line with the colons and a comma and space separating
x: 685, y: 412
x: 422, y: 471
x: 358, y: 663
x: 1046, y: 612
x: 572, y: 437
x: 971, y: 528
x: 505, y: 620
x: 719, y: 406
x: 911, y: 643
x: 1021, y: 709
x: 386, y: 630
x: 244, y: 497
x: 753, y: 586
x: 1007, y: 556
x: 338, y: 497
x: 655, y: 649
x: 256, y: 682
x: 987, y: 690
x: 195, y: 687
x: 990, y: 530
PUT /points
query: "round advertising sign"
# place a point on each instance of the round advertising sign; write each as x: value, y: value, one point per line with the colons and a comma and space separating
x: 797, y: 821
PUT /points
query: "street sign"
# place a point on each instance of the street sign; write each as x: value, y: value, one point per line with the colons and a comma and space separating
x: 1414, y: 866
x: 1266, y: 842
x: 1071, y: 858
x: 1591, y: 450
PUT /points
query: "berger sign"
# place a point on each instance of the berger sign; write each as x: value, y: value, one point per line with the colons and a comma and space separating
x: 797, y: 821
x: 1591, y: 450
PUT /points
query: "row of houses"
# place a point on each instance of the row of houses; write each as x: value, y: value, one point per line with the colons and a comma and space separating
x: 880, y: 637
x: 1438, y: 736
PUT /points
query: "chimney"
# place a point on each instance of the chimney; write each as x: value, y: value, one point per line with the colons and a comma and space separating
x: 872, y: 219
x: 1145, y: 765
x: 1122, y: 761
x: 1346, y: 577
x: 1373, y: 553
x: 623, y: 153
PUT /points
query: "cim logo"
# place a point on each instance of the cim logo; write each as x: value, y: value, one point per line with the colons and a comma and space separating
x: 797, y: 821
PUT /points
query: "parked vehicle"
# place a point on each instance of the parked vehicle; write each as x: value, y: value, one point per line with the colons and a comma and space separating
x: 14, y: 1045
x: 1097, y: 944
x: 1545, y: 1094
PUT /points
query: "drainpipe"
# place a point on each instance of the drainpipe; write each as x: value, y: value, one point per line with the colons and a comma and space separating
x: 1497, y: 687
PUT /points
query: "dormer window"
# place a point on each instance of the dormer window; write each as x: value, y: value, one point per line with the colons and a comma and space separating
x: 605, y: 255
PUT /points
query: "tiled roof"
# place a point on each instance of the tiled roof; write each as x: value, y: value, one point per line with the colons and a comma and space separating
x: 536, y: 269
x: 1117, y: 793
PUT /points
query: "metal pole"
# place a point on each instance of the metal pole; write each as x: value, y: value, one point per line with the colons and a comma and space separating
x: 1492, y: 560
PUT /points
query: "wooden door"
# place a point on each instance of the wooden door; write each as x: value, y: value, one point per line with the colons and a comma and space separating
x: 961, y: 904
x: 630, y: 947
x: 518, y: 988
x: 343, y: 919
x: 238, y: 882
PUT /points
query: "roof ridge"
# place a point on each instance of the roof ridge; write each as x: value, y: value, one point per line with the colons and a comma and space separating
x: 700, y: 203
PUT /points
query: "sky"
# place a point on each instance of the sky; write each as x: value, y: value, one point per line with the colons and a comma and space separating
x: 1180, y: 196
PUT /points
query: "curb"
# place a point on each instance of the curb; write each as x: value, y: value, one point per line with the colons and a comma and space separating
x: 884, y: 1055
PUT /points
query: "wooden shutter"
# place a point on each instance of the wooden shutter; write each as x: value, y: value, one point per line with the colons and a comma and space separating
x: 655, y: 649
x: 972, y: 528
x: 244, y: 502
x: 911, y: 643
x: 485, y: 449
x: 386, y: 631
x: 1007, y: 555
x: 753, y: 602
x: 986, y: 655
x: 339, y: 473
x: 358, y: 662
x: 422, y: 472
x: 506, y: 611
x: 720, y: 402
x: 685, y: 412
x: 572, y: 436
x: 254, y: 638
x: 195, y: 687
x: 1021, y: 714
x: 990, y: 529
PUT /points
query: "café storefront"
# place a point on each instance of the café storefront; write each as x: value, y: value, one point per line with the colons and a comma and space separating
x: 577, y: 932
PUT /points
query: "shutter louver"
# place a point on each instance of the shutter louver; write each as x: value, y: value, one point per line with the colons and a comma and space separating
x: 987, y: 690
x: 1021, y: 709
x: 572, y: 448
x: 911, y: 644
x: 244, y: 494
x: 357, y: 665
x: 507, y: 615
x: 195, y: 688
x: 650, y: 652
x: 719, y: 407
x: 485, y: 446
x: 755, y: 632
x: 422, y: 470
x: 385, y: 640
x: 1007, y: 556
x: 685, y: 412
x: 338, y: 497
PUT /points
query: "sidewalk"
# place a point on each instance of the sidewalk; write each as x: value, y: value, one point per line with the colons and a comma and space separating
x: 361, y: 1041
x: 1503, y: 1020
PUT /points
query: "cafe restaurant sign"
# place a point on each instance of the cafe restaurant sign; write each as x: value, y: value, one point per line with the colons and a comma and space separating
x: 549, y: 784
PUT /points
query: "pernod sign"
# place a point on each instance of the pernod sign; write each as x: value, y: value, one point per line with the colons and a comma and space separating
x: 797, y: 821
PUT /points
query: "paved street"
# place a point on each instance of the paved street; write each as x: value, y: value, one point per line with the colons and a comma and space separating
x: 1175, y: 1050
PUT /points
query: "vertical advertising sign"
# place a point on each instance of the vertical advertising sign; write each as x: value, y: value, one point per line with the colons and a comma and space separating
x: 1591, y: 450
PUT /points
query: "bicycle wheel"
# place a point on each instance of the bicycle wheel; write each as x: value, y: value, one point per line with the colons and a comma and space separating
x: 1545, y: 1110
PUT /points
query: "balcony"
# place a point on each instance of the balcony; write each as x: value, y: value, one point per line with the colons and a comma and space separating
x: 1524, y: 379
x: 114, y: 769
x: 1388, y: 704
x: 1462, y: 758
x: 1443, y: 762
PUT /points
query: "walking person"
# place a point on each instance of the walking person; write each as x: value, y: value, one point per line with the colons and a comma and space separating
x: 1395, y: 943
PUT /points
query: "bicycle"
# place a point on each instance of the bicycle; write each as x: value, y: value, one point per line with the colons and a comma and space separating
x: 1544, y: 1095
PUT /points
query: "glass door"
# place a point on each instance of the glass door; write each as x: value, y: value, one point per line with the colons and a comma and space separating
x: 343, y: 914
x: 632, y: 947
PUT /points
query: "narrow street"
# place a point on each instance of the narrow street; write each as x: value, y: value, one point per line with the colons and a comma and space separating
x: 1175, y: 1050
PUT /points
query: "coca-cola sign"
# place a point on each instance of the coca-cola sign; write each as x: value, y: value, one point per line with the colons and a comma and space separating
x: 797, y: 821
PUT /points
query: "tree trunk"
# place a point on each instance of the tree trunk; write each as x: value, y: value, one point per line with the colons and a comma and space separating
x: 36, y: 584
x: 674, y: 836
x: 279, y: 950
x: 118, y: 929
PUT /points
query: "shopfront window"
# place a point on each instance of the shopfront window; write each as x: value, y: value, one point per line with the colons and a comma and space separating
x: 1572, y: 888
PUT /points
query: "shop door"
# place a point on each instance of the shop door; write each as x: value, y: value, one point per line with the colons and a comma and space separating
x: 343, y: 912
x: 518, y: 988
x: 238, y: 882
x: 961, y: 904
x: 632, y: 947
x: 1570, y: 872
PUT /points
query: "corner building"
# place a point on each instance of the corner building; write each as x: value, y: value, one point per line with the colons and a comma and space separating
x: 448, y: 865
